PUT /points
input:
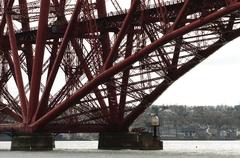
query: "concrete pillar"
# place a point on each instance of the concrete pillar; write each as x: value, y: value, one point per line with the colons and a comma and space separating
x: 32, y: 142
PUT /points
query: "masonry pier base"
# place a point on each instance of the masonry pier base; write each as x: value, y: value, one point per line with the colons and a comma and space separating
x: 135, y: 141
x: 32, y: 142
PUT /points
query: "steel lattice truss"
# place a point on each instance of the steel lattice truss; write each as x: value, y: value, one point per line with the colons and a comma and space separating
x: 96, y: 65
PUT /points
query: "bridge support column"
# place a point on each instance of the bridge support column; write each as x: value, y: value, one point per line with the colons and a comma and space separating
x: 32, y: 142
x: 135, y: 141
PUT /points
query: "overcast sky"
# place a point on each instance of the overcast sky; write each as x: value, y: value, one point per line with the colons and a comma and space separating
x: 215, y: 81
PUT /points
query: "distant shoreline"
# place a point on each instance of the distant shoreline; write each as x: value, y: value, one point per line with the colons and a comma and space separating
x: 3, y: 139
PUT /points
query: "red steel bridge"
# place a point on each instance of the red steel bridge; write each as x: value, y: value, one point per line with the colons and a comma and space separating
x: 96, y: 65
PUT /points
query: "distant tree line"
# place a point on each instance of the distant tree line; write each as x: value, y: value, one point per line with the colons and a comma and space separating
x: 217, y: 117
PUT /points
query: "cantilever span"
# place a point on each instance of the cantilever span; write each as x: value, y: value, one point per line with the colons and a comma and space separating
x: 95, y: 66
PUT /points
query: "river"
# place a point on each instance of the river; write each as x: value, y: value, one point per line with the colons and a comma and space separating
x: 172, y: 149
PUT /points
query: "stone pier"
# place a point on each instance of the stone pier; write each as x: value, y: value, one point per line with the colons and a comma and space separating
x: 135, y: 141
x: 32, y: 142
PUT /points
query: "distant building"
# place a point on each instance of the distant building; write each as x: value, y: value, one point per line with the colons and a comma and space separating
x: 190, y: 132
x: 238, y: 132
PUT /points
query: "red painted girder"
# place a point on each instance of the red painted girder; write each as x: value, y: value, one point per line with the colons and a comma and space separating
x: 10, y: 127
x: 2, y: 25
x: 11, y: 102
x: 59, y: 14
x: 101, y: 78
x: 123, y: 30
x: 133, y: 90
x: 44, y: 101
x: 89, y: 75
x: 6, y: 110
x: 11, y: 71
x: 160, y: 52
x: 8, y: 74
x: 7, y: 4
x: 176, y: 54
x: 38, y: 59
x: 181, y: 15
x: 125, y: 78
x: 112, y: 100
x: 231, y: 22
x: 17, y: 69
x: 53, y: 55
x: 59, y: 7
x: 80, y: 112
x: 101, y: 8
x: 12, y: 114
x: 62, y: 5
x: 74, y: 128
x: 71, y: 82
x: 106, y: 47
x: 229, y: 2
x: 82, y: 28
x: 26, y: 27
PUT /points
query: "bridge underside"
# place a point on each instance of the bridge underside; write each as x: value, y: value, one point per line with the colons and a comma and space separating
x: 94, y: 66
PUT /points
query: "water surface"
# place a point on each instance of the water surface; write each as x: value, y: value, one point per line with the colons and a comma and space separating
x: 172, y: 149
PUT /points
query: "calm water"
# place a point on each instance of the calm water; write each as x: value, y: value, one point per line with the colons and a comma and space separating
x: 172, y: 149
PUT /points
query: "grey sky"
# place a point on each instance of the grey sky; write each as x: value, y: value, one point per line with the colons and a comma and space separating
x: 215, y: 81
